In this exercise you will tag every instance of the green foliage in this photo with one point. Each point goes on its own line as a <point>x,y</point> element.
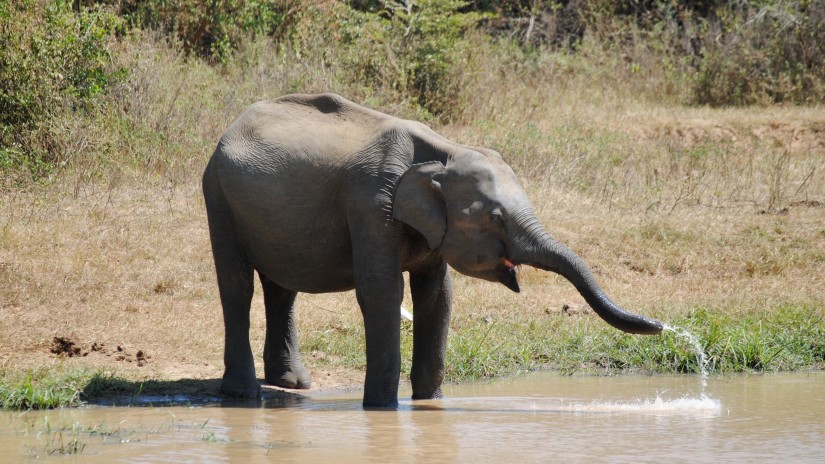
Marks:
<point>414,48</point>
<point>52,59</point>
<point>431,47</point>
<point>771,54</point>
<point>213,28</point>
<point>722,53</point>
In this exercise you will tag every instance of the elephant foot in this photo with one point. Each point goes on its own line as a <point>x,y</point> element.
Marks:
<point>428,395</point>
<point>240,389</point>
<point>296,379</point>
<point>386,402</point>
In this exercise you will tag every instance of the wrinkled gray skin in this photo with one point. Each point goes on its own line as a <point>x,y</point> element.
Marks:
<point>318,194</point>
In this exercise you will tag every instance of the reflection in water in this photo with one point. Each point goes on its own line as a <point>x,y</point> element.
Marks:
<point>535,418</point>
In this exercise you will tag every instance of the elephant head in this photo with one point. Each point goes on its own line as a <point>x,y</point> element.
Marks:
<point>476,214</point>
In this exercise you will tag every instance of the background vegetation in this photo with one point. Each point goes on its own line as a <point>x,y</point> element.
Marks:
<point>678,146</point>
<point>68,62</point>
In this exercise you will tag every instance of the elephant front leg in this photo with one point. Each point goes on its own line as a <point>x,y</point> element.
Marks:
<point>379,296</point>
<point>282,360</point>
<point>431,294</point>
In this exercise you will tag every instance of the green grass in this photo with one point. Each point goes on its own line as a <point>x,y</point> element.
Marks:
<point>64,439</point>
<point>56,387</point>
<point>786,338</point>
<point>42,434</point>
<point>42,388</point>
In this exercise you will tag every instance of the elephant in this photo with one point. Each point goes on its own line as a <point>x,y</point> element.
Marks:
<point>318,194</point>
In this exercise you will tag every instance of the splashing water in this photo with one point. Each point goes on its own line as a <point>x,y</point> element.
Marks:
<point>702,406</point>
<point>701,357</point>
<point>699,407</point>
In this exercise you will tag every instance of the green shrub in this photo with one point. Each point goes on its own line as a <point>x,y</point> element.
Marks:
<point>52,59</point>
<point>771,54</point>
<point>722,53</point>
<point>415,48</point>
<point>210,28</point>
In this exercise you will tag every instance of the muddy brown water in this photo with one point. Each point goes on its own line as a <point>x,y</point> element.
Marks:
<point>533,418</point>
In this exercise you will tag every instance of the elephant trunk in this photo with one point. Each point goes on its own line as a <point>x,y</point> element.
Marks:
<point>540,250</point>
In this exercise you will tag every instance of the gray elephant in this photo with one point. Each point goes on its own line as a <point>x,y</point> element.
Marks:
<point>318,194</point>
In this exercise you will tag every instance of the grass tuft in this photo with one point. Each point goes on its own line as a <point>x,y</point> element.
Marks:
<point>42,389</point>
<point>56,387</point>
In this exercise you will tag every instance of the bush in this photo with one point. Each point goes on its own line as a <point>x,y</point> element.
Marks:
<point>415,48</point>
<point>209,28</point>
<point>773,54</point>
<point>722,53</point>
<point>52,59</point>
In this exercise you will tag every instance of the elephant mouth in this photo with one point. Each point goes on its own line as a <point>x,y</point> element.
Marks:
<point>506,272</point>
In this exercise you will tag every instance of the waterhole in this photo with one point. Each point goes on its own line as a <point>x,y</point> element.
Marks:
<point>532,418</point>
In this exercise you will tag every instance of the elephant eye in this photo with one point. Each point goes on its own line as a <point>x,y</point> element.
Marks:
<point>497,216</point>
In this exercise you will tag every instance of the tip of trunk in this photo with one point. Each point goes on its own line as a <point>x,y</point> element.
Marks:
<point>621,319</point>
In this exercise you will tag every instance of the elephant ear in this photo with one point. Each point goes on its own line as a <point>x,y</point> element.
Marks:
<point>419,201</point>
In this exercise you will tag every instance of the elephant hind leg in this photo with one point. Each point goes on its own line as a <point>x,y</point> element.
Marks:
<point>282,360</point>
<point>235,285</point>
